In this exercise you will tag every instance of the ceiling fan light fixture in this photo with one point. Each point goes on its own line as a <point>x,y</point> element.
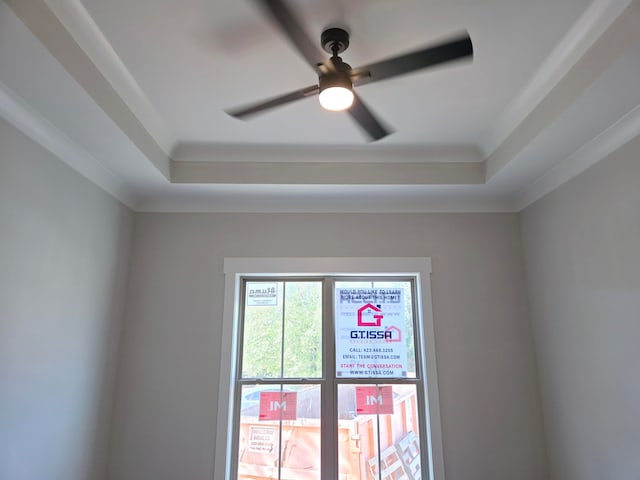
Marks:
<point>336,99</point>
<point>335,92</point>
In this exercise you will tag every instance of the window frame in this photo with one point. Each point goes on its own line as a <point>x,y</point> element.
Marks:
<point>289,268</point>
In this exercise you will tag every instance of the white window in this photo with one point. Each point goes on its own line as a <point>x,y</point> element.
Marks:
<point>324,371</point>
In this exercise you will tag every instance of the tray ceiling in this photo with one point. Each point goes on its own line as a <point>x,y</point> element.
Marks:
<point>132,94</point>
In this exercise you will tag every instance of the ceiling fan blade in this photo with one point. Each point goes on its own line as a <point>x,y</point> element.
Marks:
<point>410,62</point>
<point>365,118</point>
<point>249,110</point>
<point>292,28</point>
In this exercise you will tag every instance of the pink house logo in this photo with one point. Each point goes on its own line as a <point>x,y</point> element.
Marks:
<point>369,316</point>
<point>394,337</point>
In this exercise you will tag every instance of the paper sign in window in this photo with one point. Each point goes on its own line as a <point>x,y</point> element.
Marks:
<point>371,336</point>
<point>278,405</point>
<point>262,294</point>
<point>372,400</point>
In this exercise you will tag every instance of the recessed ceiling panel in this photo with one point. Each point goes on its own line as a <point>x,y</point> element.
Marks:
<point>194,58</point>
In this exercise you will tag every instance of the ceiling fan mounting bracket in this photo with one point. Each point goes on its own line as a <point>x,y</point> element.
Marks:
<point>334,40</point>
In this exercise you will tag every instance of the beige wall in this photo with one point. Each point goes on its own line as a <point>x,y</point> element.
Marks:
<point>165,419</point>
<point>63,265</point>
<point>582,249</point>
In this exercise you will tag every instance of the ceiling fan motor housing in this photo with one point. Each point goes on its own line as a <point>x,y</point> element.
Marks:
<point>339,77</point>
<point>335,79</point>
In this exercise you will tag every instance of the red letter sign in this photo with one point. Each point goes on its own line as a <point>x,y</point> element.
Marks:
<point>372,400</point>
<point>278,405</point>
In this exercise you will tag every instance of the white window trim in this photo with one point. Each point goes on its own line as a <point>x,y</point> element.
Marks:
<point>235,268</point>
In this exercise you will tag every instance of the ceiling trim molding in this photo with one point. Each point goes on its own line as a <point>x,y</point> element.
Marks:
<point>78,22</point>
<point>41,131</point>
<point>620,35</point>
<point>44,24</point>
<point>207,152</point>
<point>327,173</point>
<point>584,33</point>
<point>600,147</point>
<point>267,204</point>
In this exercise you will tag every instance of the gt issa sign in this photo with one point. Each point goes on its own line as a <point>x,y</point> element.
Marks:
<point>370,333</point>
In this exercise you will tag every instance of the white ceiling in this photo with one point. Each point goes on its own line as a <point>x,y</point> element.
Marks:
<point>132,94</point>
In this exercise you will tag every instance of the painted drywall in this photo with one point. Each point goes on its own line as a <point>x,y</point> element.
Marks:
<point>166,406</point>
<point>63,266</point>
<point>582,250</point>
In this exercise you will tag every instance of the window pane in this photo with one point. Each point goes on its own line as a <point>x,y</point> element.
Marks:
<point>374,330</point>
<point>378,432</point>
<point>262,346</point>
<point>279,432</point>
<point>303,330</point>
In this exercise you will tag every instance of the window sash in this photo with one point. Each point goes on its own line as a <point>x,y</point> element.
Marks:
<point>328,382</point>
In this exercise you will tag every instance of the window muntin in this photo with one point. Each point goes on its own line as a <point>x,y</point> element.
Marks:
<point>284,341</point>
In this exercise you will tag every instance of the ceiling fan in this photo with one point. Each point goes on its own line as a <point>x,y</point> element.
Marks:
<point>337,78</point>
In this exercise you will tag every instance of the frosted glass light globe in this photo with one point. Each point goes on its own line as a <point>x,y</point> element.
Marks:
<point>336,98</point>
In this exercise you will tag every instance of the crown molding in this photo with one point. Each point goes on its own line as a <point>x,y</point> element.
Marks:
<point>585,32</point>
<point>337,199</point>
<point>40,130</point>
<point>45,25</point>
<point>618,38</point>
<point>600,147</point>
<point>212,152</point>
<point>78,22</point>
<point>327,173</point>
